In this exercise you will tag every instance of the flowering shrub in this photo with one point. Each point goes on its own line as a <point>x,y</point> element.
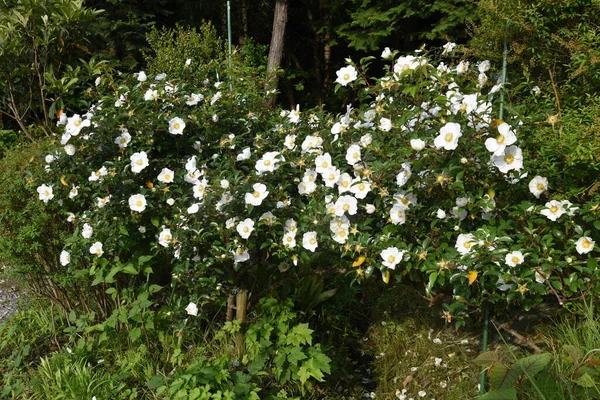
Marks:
<point>204,188</point>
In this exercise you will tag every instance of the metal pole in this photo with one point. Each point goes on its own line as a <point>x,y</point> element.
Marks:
<point>503,81</point>
<point>229,30</point>
<point>486,322</point>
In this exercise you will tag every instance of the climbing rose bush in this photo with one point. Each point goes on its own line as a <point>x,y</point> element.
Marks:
<point>417,180</point>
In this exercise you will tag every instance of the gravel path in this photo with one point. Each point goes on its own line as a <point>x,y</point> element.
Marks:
<point>8,300</point>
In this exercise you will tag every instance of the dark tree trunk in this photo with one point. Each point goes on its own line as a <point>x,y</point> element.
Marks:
<point>243,7</point>
<point>276,48</point>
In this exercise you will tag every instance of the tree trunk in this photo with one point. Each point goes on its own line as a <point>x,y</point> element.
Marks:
<point>276,48</point>
<point>243,6</point>
<point>326,57</point>
<point>241,305</point>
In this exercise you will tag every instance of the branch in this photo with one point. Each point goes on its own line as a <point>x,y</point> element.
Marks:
<point>522,340</point>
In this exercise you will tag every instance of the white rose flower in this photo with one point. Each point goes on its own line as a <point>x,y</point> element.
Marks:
<point>96,249</point>
<point>45,193</point>
<point>192,309</point>
<point>245,228</point>
<point>309,241</point>
<point>176,126</point>
<point>137,202</point>
<point>514,258</point>
<point>166,175</point>
<point>584,245</point>
<point>65,258</point>
<point>346,75</point>
<point>139,161</point>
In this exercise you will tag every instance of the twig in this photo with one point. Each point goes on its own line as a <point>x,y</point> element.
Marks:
<point>522,340</point>
<point>555,89</point>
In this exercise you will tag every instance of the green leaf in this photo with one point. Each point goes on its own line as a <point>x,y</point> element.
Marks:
<point>572,353</point>
<point>585,381</point>
<point>296,354</point>
<point>135,334</point>
<point>486,359</point>
<point>300,334</point>
<point>531,365</point>
<point>504,394</point>
<point>130,269</point>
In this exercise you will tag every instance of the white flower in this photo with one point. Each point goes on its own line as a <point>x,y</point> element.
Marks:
<point>294,115</point>
<point>406,63</point>
<point>87,231</point>
<point>540,277</point>
<point>97,175</point>
<point>462,67</point>
<point>309,241</point>
<point>289,239</point>
<point>257,196</point>
<point>176,126</point>
<point>102,201</point>
<point>170,201</point>
<point>165,237</point>
<point>137,202</point>
<point>290,226</point>
<point>151,95</point>
<point>441,214</point>
<point>584,245</point>
<point>538,185</point>
<point>340,234</point>
<point>346,75</point>
<point>323,163</point>
<point>245,228</point>
<point>141,76</point>
<point>70,149</point>
<point>268,217</point>
<point>139,161</point>
<point>484,66</point>
<point>199,189</point>
<point>386,54</point>
<point>397,214</point>
<point>360,189</point>
<point>224,183</point>
<point>403,175</point>
<point>505,138</point>
<point>353,154</point>
<point>75,124</point>
<point>73,192</point>
<point>311,144</point>
<point>554,209</point>
<point>344,183</point>
<point>268,162</point>
<point>366,140</point>
<point>370,208</point>
<point>65,258</point>
<point>194,208</point>
<point>290,142</point>
<point>45,193</point>
<point>166,175</point>
<point>514,258</point>
<point>464,243</point>
<point>511,159</point>
<point>331,176</point>
<point>193,99</point>
<point>448,137</point>
<point>417,144</point>
<point>96,249</point>
<point>345,204</point>
<point>244,155</point>
<point>192,309</point>
<point>391,257</point>
<point>536,90</point>
<point>240,255</point>
<point>306,187</point>
<point>482,79</point>
<point>123,139</point>
<point>160,77</point>
<point>448,47</point>
<point>49,158</point>
<point>385,124</point>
